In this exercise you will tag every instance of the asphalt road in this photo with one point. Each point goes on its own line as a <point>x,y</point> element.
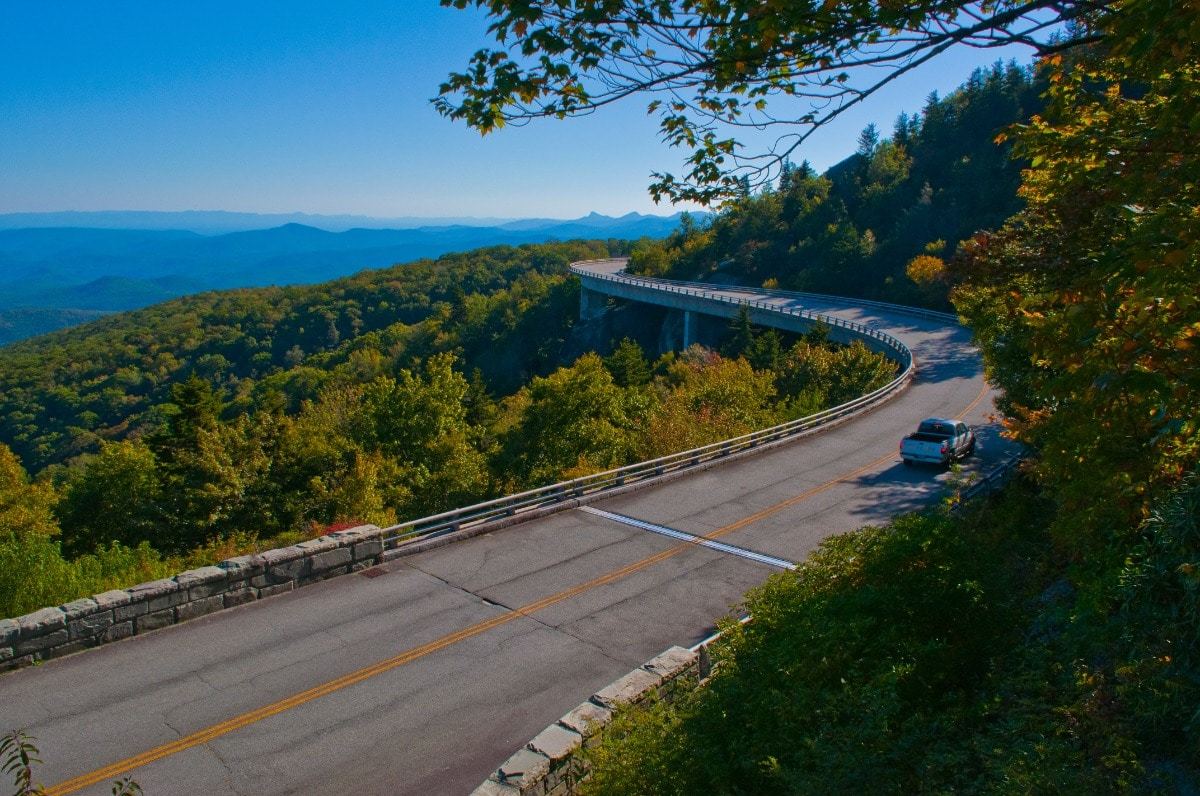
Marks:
<point>423,679</point>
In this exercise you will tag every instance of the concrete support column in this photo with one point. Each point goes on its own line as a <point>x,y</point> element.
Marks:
<point>689,328</point>
<point>591,304</point>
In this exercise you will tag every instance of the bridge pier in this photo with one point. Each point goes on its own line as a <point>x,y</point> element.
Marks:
<point>591,304</point>
<point>689,328</point>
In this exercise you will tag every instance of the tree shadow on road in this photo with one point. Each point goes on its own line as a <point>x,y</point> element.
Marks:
<point>901,489</point>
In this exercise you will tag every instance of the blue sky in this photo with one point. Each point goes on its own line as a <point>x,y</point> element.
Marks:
<point>315,107</point>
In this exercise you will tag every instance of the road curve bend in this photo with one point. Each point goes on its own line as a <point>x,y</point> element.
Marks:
<point>421,675</point>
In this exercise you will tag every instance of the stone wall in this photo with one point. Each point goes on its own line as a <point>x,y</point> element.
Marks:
<point>552,764</point>
<point>113,615</point>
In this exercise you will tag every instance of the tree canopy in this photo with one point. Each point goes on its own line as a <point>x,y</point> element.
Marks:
<point>938,179</point>
<point>718,69</point>
<point>1085,302</point>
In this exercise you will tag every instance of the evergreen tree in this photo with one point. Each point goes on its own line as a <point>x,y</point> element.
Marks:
<point>766,352</point>
<point>868,139</point>
<point>818,335</point>
<point>627,364</point>
<point>741,335</point>
<point>195,407</point>
<point>478,400</point>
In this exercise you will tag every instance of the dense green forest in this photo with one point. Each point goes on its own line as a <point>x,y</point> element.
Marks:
<point>22,323</point>
<point>938,179</point>
<point>1046,640</point>
<point>227,422</point>
<point>63,393</point>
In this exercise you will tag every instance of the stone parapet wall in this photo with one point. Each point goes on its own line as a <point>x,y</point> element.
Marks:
<point>553,764</point>
<point>118,614</point>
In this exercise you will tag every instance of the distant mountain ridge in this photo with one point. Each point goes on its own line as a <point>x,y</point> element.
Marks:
<point>73,273</point>
<point>217,222</point>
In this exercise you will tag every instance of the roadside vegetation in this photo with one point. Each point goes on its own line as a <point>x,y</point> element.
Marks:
<point>19,760</point>
<point>944,653</point>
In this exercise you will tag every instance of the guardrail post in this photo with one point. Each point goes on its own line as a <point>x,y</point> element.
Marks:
<point>704,661</point>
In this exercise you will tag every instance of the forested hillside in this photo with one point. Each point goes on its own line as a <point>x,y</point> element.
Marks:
<point>51,273</point>
<point>63,393</point>
<point>937,179</point>
<point>20,324</point>
<point>228,422</point>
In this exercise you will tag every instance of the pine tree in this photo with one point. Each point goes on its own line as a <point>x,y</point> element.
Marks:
<point>741,335</point>
<point>868,139</point>
<point>766,351</point>
<point>627,364</point>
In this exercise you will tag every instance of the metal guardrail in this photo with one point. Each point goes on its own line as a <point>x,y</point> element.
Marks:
<point>992,479</point>
<point>903,309</point>
<point>705,291</point>
<point>512,505</point>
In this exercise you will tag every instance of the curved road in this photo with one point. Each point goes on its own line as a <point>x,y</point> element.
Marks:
<point>423,679</point>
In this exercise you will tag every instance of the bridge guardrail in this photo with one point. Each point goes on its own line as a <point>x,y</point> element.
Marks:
<point>904,309</point>
<point>448,522</point>
<point>703,290</point>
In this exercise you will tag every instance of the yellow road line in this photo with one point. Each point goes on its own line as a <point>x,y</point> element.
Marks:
<point>982,394</point>
<point>245,719</point>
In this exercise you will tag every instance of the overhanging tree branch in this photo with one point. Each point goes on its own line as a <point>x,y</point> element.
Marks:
<point>719,64</point>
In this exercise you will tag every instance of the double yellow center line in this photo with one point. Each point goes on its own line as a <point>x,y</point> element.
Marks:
<point>215,731</point>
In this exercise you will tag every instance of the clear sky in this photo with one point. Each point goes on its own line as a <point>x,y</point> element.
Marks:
<point>315,106</point>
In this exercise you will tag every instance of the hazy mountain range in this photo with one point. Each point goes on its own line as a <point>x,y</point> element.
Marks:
<point>55,276</point>
<point>216,222</point>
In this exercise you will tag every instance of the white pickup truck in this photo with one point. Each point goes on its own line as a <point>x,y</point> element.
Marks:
<point>938,441</point>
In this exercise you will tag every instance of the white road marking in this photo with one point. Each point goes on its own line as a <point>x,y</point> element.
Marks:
<point>711,544</point>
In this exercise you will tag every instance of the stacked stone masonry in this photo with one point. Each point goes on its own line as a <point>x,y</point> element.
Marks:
<point>552,764</point>
<point>113,615</point>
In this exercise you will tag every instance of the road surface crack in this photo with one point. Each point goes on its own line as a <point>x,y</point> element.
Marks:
<point>527,615</point>
<point>230,780</point>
